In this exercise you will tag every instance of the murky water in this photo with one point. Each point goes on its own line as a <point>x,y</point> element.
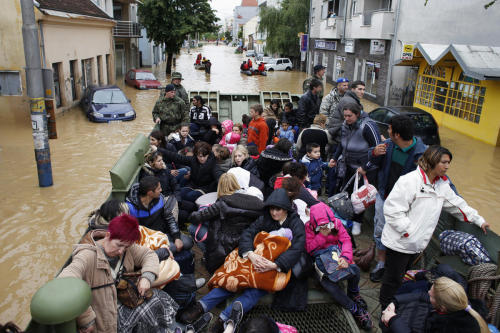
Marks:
<point>38,225</point>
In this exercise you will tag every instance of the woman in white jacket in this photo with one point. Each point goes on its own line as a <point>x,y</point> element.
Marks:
<point>412,211</point>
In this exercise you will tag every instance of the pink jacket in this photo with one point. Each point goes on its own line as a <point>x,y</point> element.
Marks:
<point>321,214</point>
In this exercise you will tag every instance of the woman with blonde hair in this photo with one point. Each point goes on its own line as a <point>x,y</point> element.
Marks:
<point>242,159</point>
<point>225,219</point>
<point>445,308</point>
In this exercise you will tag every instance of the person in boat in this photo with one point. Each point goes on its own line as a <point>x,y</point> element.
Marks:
<point>250,64</point>
<point>169,111</point>
<point>101,257</point>
<point>199,115</point>
<point>262,68</point>
<point>208,66</point>
<point>394,157</point>
<point>244,66</point>
<point>224,220</point>
<point>198,59</point>
<point>445,308</point>
<point>204,171</point>
<point>151,208</point>
<point>180,91</point>
<point>241,159</point>
<point>279,214</point>
<point>412,211</point>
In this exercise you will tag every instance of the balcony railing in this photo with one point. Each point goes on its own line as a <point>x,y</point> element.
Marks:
<point>127,29</point>
<point>367,15</point>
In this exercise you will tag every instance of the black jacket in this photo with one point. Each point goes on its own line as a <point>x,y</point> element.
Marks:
<point>227,217</point>
<point>290,117</point>
<point>203,176</point>
<point>265,223</point>
<point>415,314</point>
<point>210,136</point>
<point>308,108</point>
<point>249,164</point>
<point>271,162</point>
<point>156,216</point>
<point>168,183</point>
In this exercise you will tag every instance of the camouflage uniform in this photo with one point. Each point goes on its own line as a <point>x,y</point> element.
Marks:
<point>172,112</point>
<point>180,91</point>
<point>329,107</point>
<point>307,82</point>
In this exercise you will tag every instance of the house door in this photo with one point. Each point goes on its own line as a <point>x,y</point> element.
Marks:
<point>120,61</point>
<point>372,70</point>
<point>72,78</point>
<point>57,84</point>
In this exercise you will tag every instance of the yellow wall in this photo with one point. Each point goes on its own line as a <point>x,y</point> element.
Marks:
<point>13,109</point>
<point>488,129</point>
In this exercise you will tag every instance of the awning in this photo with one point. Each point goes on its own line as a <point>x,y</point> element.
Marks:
<point>478,62</point>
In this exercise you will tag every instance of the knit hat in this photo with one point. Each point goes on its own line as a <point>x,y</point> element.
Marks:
<point>169,87</point>
<point>177,75</point>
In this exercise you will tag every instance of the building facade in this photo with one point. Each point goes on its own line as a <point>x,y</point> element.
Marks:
<point>242,14</point>
<point>126,34</point>
<point>352,38</point>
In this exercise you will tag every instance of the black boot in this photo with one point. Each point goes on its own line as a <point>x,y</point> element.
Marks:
<point>217,326</point>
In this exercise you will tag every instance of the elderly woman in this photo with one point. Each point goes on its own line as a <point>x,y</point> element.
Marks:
<point>233,211</point>
<point>100,260</point>
<point>412,212</point>
<point>279,214</point>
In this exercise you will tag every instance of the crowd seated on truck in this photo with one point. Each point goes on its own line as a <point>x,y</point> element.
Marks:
<point>273,204</point>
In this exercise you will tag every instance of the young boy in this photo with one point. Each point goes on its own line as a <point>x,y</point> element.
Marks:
<point>315,166</point>
<point>258,132</point>
<point>285,131</point>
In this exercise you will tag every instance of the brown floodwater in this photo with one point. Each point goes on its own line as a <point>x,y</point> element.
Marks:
<point>39,225</point>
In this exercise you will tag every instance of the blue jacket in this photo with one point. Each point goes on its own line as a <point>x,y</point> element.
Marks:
<point>314,170</point>
<point>288,134</point>
<point>384,162</point>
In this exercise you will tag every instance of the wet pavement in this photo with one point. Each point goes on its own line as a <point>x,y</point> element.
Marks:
<point>39,225</point>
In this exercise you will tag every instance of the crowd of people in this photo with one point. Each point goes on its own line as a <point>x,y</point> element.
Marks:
<point>251,196</point>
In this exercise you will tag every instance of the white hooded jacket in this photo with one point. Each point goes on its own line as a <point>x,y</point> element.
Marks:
<point>412,211</point>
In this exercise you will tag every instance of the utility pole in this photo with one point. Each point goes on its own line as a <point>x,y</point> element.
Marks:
<point>35,90</point>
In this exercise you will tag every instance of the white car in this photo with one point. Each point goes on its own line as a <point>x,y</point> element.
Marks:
<point>250,53</point>
<point>279,64</point>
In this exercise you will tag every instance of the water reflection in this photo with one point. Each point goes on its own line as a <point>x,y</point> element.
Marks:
<point>39,225</point>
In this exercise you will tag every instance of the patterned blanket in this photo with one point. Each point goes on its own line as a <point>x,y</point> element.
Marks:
<point>169,269</point>
<point>238,273</point>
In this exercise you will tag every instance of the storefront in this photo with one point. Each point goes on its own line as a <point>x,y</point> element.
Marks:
<point>460,88</point>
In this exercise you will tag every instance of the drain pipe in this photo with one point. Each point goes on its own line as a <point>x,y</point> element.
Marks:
<point>391,55</point>
<point>346,2</point>
<point>308,54</point>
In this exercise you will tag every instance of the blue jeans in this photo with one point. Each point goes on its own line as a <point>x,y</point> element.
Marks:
<point>202,232</point>
<point>248,299</point>
<point>180,177</point>
<point>378,222</point>
<point>189,194</point>
<point>338,293</point>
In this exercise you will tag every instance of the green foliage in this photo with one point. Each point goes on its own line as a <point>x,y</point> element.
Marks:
<point>283,26</point>
<point>228,36</point>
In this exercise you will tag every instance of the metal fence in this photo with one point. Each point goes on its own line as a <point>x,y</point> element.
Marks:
<point>127,29</point>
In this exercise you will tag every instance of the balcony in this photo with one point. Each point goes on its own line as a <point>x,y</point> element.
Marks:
<point>372,24</point>
<point>127,29</point>
<point>330,28</point>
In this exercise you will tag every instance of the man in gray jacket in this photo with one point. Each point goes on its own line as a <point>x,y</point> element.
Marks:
<point>330,101</point>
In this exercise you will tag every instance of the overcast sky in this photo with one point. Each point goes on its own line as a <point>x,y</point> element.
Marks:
<point>224,8</point>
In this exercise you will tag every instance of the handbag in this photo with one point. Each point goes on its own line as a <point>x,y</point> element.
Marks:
<point>341,204</point>
<point>364,196</point>
<point>326,261</point>
<point>127,292</point>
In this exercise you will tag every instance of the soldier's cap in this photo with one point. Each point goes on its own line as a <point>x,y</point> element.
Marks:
<point>169,87</point>
<point>177,75</point>
<point>342,79</point>
<point>317,68</point>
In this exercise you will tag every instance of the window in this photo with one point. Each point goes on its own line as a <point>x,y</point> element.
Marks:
<point>372,70</point>
<point>378,115</point>
<point>10,83</point>
<point>72,78</point>
<point>56,68</point>
<point>279,62</point>
<point>99,70</point>
<point>108,70</point>
<point>313,15</point>
<point>462,99</point>
<point>354,8</point>
<point>109,96</point>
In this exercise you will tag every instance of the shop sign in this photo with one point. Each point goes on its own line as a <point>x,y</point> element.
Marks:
<point>349,46</point>
<point>407,52</point>
<point>325,45</point>
<point>377,46</point>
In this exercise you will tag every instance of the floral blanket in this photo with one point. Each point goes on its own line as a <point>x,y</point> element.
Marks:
<point>238,273</point>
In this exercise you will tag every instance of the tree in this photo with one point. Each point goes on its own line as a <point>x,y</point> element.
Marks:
<point>283,26</point>
<point>227,35</point>
<point>169,22</point>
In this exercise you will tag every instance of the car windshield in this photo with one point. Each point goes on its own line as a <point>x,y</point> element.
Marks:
<point>144,76</point>
<point>422,121</point>
<point>109,96</point>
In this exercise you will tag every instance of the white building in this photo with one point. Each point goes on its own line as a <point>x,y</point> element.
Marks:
<point>242,14</point>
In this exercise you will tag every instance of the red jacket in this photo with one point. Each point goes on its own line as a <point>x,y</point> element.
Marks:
<point>258,133</point>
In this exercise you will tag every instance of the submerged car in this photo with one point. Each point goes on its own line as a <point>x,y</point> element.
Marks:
<point>141,79</point>
<point>105,104</point>
<point>425,126</point>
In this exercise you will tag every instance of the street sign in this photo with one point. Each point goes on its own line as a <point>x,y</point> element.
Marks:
<point>407,52</point>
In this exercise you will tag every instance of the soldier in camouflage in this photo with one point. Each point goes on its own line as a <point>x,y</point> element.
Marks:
<point>170,111</point>
<point>179,89</point>
<point>319,71</point>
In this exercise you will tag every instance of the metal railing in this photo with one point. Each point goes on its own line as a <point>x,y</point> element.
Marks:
<point>127,29</point>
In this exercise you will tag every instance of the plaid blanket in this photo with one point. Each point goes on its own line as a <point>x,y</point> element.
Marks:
<point>152,316</point>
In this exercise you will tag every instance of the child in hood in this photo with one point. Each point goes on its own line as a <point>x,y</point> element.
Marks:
<point>286,131</point>
<point>323,231</point>
<point>181,138</point>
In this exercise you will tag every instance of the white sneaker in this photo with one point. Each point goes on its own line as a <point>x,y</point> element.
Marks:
<point>356,228</point>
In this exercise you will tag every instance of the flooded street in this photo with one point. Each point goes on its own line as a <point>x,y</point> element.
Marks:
<point>39,225</point>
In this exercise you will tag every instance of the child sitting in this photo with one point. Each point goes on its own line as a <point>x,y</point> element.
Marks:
<point>231,138</point>
<point>285,131</point>
<point>315,166</point>
<point>181,138</point>
<point>325,231</point>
